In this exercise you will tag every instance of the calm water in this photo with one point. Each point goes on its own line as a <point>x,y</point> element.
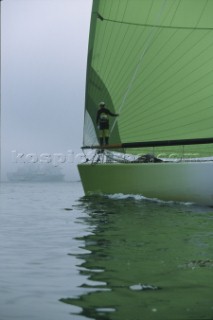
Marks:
<point>65,256</point>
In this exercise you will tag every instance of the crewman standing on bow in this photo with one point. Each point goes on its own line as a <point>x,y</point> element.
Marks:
<point>102,121</point>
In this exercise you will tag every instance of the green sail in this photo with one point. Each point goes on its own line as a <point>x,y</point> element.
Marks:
<point>151,61</point>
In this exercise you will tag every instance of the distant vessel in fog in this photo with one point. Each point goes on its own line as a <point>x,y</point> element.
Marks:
<point>31,172</point>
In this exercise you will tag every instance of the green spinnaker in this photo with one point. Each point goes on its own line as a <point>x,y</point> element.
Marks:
<point>151,61</point>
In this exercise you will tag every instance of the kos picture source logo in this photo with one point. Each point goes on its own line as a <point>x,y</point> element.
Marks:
<point>55,159</point>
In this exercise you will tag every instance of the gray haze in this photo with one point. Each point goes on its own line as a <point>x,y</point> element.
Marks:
<point>44,51</point>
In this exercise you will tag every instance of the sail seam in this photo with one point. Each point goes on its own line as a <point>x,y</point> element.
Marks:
<point>178,71</point>
<point>120,85</point>
<point>145,48</point>
<point>156,26</point>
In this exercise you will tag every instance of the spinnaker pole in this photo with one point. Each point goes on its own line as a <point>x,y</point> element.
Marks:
<point>145,144</point>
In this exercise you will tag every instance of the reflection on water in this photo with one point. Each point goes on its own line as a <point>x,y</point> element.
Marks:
<point>145,260</point>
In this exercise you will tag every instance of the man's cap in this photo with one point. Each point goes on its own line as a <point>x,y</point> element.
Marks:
<point>102,103</point>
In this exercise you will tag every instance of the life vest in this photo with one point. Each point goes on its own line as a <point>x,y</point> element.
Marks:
<point>103,117</point>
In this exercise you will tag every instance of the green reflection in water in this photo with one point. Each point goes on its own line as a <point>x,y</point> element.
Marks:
<point>146,261</point>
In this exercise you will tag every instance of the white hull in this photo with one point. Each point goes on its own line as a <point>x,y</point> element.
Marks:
<point>187,182</point>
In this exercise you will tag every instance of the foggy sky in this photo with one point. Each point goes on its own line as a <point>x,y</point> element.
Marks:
<point>44,51</point>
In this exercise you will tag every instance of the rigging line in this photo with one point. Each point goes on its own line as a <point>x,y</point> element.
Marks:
<point>149,40</point>
<point>132,47</point>
<point>122,63</point>
<point>175,31</point>
<point>121,84</point>
<point>115,55</point>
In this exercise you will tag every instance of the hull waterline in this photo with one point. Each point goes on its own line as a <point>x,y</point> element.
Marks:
<point>185,182</point>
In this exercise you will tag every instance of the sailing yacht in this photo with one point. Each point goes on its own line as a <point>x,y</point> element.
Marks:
<point>152,63</point>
